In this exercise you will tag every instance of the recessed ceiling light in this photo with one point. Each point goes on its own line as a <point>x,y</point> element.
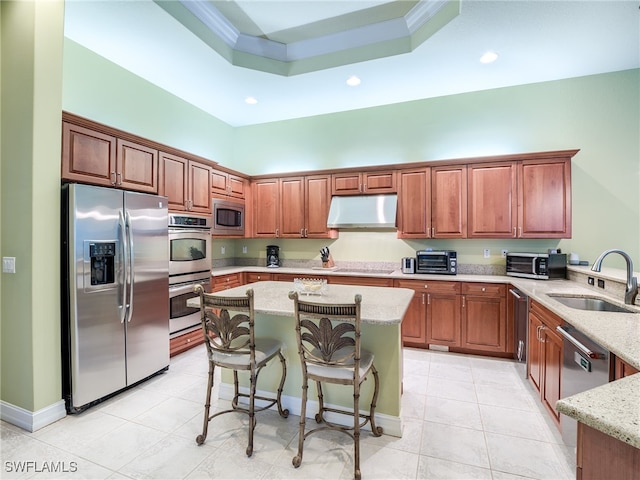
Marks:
<point>489,57</point>
<point>353,81</point>
<point>250,100</point>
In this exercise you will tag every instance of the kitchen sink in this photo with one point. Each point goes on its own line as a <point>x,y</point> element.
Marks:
<point>589,303</point>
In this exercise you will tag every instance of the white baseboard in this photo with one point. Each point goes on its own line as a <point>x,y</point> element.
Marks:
<point>32,421</point>
<point>390,425</point>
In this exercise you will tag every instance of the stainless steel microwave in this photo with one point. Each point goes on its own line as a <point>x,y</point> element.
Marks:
<point>437,261</point>
<point>228,217</point>
<point>542,266</point>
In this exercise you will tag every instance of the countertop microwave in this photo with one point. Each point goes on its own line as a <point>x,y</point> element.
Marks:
<point>542,266</point>
<point>227,218</point>
<point>444,262</point>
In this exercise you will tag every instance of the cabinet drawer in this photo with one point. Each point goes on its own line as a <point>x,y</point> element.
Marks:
<point>429,286</point>
<point>252,277</point>
<point>491,289</point>
<point>226,281</point>
<point>370,281</point>
<point>185,342</point>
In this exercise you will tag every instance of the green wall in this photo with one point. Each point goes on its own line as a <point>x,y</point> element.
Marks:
<point>598,114</point>
<point>31,102</point>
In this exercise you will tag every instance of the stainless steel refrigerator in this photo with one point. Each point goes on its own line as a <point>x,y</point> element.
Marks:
<point>115,295</point>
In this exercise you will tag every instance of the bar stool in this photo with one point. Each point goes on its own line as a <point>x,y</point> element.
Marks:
<point>328,337</point>
<point>231,343</point>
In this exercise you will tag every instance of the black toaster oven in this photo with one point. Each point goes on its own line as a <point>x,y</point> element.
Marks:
<point>437,261</point>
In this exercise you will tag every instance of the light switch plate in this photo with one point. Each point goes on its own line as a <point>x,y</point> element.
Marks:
<point>487,253</point>
<point>8,264</point>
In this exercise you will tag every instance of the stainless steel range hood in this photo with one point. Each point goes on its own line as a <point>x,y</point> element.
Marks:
<point>363,211</point>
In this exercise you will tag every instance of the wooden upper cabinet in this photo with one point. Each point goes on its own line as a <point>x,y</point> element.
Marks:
<point>317,200</point>
<point>449,202</point>
<point>186,184</point>
<point>292,207</point>
<point>544,199</point>
<point>90,156</point>
<point>520,199</point>
<point>227,185</point>
<point>364,183</point>
<point>414,203</point>
<point>266,207</point>
<point>492,199</point>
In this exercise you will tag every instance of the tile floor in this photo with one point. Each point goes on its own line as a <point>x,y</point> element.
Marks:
<point>465,417</point>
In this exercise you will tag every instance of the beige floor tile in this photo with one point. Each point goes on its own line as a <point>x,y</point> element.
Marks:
<point>456,444</point>
<point>453,412</point>
<point>437,468</point>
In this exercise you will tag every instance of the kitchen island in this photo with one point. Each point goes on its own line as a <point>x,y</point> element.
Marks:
<point>382,312</point>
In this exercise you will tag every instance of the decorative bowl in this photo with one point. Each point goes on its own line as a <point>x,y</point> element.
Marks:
<point>310,286</point>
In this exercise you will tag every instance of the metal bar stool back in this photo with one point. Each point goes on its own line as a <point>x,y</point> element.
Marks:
<point>228,329</point>
<point>328,338</point>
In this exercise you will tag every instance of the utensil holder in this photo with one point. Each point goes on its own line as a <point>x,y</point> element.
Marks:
<point>329,263</point>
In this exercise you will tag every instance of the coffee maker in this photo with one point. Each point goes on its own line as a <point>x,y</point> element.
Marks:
<point>273,256</point>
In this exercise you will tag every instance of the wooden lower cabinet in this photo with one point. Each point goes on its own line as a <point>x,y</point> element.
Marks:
<point>545,356</point>
<point>621,368</point>
<point>369,281</point>
<point>252,277</point>
<point>224,282</point>
<point>185,342</point>
<point>601,456</point>
<point>484,317</point>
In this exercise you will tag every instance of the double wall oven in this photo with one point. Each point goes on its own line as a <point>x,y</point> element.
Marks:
<point>189,265</point>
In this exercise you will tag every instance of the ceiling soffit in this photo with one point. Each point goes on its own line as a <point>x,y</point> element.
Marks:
<point>384,30</point>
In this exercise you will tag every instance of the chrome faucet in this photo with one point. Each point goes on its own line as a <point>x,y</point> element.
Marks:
<point>632,282</point>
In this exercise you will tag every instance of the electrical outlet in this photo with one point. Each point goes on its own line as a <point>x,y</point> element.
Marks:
<point>504,253</point>
<point>487,253</point>
<point>590,280</point>
<point>8,264</point>
<point>222,250</point>
<point>600,283</point>
<point>244,249</point>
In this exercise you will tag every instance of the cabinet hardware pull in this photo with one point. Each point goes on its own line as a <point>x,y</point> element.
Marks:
<point>514,232</point>
<point>306,232</point>
<point>433,232</point>
<point>119,178</point>
<point>113,178</point>
<point>428,299</point>
<point>423,298</point>
<point>277,232</point>
<point>484,289</point>
<point>463,304</point>
<point>302,232</point>
<point>520,230</point>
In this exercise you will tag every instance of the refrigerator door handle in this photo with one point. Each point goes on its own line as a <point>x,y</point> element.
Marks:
<point>129,267</point>
<point>122,293</point>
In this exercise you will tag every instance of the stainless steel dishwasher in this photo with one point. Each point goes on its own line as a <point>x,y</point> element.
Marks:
<point>520,311</point>
<point>585,366</point>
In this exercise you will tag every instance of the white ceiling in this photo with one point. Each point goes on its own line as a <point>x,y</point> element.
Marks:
<point>536,41</point>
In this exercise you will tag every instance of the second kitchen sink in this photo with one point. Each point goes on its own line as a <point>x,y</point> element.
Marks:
<point>589,303</point>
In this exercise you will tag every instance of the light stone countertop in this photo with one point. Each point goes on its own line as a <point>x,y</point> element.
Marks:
<point>613,408</point>
<point>380,305</point>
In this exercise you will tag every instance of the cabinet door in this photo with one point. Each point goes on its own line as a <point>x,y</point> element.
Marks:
<point>544,201</point>
<point>552,373</point>
<point>317,200</point>
<point>414,324</point>
<point>225,282</point>
<point>484,322</point>
<point>88,156</point>
<point>266,208</point>
<point>379,182</point>
<point>534,355</point>
<point>346,184</point>
<point>237,186</point>
<point>219,182</point>
<point>174,175</point>
<point>492,197</point>
<point>291,218</point>
<point>621,368</point>
<point>199,187</point>
<point>449,202</point>
<point>414,204</point>
<point>137,167</point>
<point>443,319</point>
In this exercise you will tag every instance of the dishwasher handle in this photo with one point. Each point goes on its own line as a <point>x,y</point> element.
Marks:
<point>589,353</point>
<point>515,293</point>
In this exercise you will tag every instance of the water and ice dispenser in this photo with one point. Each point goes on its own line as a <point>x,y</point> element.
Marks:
<point>102,256</point>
